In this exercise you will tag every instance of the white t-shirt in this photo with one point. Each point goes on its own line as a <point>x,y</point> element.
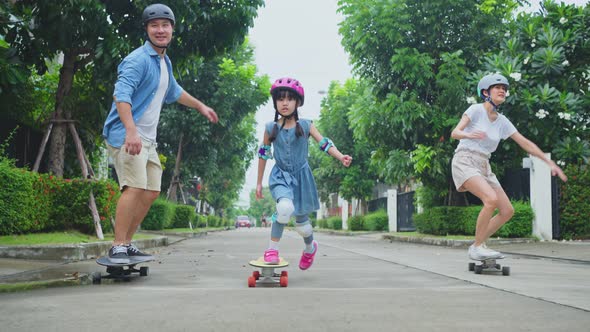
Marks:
<point>147,125</point>
<point>501,128</point>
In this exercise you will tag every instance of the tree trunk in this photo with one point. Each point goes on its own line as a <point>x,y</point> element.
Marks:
<point>174,184</point>
<point>58,139</point>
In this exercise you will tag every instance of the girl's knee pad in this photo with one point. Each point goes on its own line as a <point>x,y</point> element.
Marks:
<point>304,229</point>
<point>285,209</point>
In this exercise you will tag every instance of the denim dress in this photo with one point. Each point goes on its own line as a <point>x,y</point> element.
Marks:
<point>291,175</point>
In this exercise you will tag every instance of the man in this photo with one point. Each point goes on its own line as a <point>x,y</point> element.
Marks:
<point>144,83</point>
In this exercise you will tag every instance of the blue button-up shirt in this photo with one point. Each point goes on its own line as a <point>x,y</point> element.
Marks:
<point>137,82</point>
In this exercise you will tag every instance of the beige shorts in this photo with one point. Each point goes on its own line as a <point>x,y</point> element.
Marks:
<point>142,171</point>
<point>467,164</point>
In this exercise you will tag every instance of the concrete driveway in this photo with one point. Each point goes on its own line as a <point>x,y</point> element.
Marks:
<point>359,283</point>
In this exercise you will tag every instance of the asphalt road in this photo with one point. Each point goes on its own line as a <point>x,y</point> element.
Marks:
<point>359,283</point>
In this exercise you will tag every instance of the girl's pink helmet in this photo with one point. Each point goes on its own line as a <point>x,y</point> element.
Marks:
<point>289,84</point>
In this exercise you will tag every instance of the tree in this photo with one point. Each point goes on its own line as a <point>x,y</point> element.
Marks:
<point>219,154</point>
<point>265,206</point>
<point>415,57</point>
<point>356,181</point>
<point>93,35</point>
<point>546,57</point>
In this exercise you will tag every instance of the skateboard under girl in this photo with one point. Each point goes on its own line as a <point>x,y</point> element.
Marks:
<point>267,275</point>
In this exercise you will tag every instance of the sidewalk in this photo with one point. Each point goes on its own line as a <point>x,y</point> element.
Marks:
<point>33,273</point>
<point>565,250</point>
<point>59,265</point>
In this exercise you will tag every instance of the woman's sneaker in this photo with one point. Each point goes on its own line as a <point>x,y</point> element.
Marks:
<point>133,251</point>
<point>271,256</point>
<point>307,258</point>
<point>118,255</point>
<point>491,252</point>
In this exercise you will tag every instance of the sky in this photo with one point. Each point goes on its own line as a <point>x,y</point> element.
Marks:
<point>299,38</point>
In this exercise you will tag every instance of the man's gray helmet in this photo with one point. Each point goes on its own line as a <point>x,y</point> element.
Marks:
<point>155,11</point>
<point>489,80</point>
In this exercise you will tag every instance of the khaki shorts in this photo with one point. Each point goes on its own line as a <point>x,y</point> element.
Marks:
<point>467,164</point>
<point>142,171</point>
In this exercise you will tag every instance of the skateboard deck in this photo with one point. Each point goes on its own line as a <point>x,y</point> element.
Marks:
<point>267,275</point>
<point>120,271</point>
<point>489,265</point>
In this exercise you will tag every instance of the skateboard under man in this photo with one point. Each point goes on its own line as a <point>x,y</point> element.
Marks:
<point>267,275</point>
<point>489,265</point>
<point>120,271</point>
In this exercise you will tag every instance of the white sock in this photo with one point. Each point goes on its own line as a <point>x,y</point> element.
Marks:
<point>309,248</point>
<point>273,245</point>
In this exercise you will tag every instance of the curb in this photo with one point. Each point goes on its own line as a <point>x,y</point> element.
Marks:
<point>81,280</point>
<point>72,252</point>
<point>450,242</point>
<point>178,234</point>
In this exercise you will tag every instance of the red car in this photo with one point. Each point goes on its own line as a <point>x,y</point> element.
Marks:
<point>243,221</point>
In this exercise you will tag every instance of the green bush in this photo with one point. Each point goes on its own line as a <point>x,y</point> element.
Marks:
<point>200,221</point>
<point>447,220</point>
<point>214,221</point>
<point>355,223</point>
<point>183,216</point>
<point>574,203</point>
<point>335,223</point>
<point>521,224</point>
<point>22,208</point>
<point>33,202</point>
<point>159,216</point>
<point>322,223</point>
<point>376,221</point>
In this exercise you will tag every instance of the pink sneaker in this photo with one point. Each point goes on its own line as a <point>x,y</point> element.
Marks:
<point>271,256</point>
<point>307,259</point>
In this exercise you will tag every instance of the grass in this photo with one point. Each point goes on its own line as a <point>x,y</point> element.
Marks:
<point>68,237</point>
<point>25,286</point>
<point>188,230</point>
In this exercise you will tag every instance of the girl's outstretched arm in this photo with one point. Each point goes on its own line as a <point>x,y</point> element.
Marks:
<point>534,150</point>
<point>332,150</point>
<point>263,155</point>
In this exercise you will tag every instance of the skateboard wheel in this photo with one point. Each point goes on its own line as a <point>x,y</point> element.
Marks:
<point>506,271</point>
<point>96,278</point>
<point>498,266</point>
<point>251,281</point>
<point>284,274</point>
<point>478,269</point>
<point>256,275</point>
<point>143,271</point>
<point>471,266</point>
<point>284,281</point>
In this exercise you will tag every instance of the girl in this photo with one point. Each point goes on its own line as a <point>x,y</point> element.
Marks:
<point>479,131</point>
<point>291,182</point>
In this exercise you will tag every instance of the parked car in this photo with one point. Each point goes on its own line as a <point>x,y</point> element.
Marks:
<point>243,221</point>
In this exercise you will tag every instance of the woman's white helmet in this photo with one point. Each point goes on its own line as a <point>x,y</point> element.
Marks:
<point>489,80</point>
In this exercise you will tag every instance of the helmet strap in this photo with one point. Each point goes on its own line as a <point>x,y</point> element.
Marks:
<point>488,98</point>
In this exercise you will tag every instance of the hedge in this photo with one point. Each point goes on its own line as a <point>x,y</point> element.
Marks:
<point>453,220</point>
<point>159,216</point>
<point>32,202</point>
<point>376,221</point>
<point>574,203</point>
<point>183,216</point>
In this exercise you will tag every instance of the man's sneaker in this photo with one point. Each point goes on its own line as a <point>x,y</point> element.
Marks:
<point>307,259</point>
<point>271,256</point>
<point>118,255</point>
<point>133,252</point>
